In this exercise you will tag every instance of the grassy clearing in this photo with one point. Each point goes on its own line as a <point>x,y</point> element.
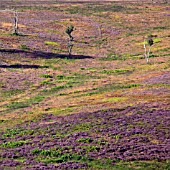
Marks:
<point>9,93</point>
<point>113,71</point>
<point>18,105</point>
<point>91,9</point>
<point>110,87</point>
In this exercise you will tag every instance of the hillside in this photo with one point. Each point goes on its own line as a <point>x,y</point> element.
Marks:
<point>104,106</point>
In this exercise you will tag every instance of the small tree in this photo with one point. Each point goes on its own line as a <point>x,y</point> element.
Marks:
<point>15,24</point>
<point>15,20</point>
<point>69,31</point>
<point>149,41</point>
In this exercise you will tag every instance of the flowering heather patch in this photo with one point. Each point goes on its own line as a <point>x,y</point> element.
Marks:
<point>164,79</point>
<point>88,140</point>
<point>102,107</point>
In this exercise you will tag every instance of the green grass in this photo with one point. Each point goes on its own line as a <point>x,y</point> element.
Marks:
<point>63,111</point>
<point>51,153</point>
<point>53,156</point>
<point>145,165</point>
<point>160,28</point>
<point>115,99</point>
<point>51,43</point>
<point>24,47</point>
<point>13,144</point>
<point>111,57</point>
<point>109,87</point>
<point>85,140</point>
<point>70,81</point>
<point>61,77</point>
<point>9,93</point>
<point>57,88</point>
<point>157,40</point>
<point>24,104</point>
<point>75,79</point>
<point>92,9</point>
<point>46,76</point>
<point>100,42</point>
<point>164,49</point>
<point>113,71</point>
<point>90,148</point>
<point>17,105</point>
<point>47,81</point>
<point>80,127</point>
<point>10,132</point>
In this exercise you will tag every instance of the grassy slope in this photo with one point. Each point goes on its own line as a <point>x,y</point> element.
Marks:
<point>107,72</point>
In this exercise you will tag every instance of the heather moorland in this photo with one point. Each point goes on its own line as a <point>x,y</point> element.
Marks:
<point>89,98</point>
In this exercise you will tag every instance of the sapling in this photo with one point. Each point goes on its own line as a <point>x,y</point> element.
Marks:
<point>15,24</point>
<point>69,31</point>
<point>149,41</point>
<point>15,20</point>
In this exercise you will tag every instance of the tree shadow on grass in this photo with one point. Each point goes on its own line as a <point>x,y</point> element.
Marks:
<point>22,66</point>
<point>46,55</point>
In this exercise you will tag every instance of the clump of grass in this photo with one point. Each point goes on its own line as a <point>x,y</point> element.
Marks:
<point>90,148</point>
<point>65,110</point>
<point>47,81</point>
<point>56,88</point>
<point>17,105</point>
<point>60,77</point>
<point>159,28</point>
<point>157,40</point>
<point>91,9</point>
<point>113,71</point>
<point>35,99</point>
<point>51,153</point>
<point>51,43</point>
<point>110,87</point>
<point>100,42</point>
<point>111,57</point>
<point>165,49</point>
<point>13,144</point>
<point>46,76</point>
<point>24,47</point>
<point>24,104</point>
<point>115,99</point>
<point>85,140</point>
<point>11,132</point>
<point>9,93</point>
<point>53,156</point>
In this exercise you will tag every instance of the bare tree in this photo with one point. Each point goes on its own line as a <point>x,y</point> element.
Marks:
<point>149,42</point>
<point>15,24</point>
<point>15,20</point>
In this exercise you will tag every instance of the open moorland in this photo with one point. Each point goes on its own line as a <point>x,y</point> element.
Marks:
<point>103,107</point>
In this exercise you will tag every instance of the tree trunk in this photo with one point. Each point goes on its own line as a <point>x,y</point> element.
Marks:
<point>70,46</point>
<point>15,26</point>
<point>145,54</point>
